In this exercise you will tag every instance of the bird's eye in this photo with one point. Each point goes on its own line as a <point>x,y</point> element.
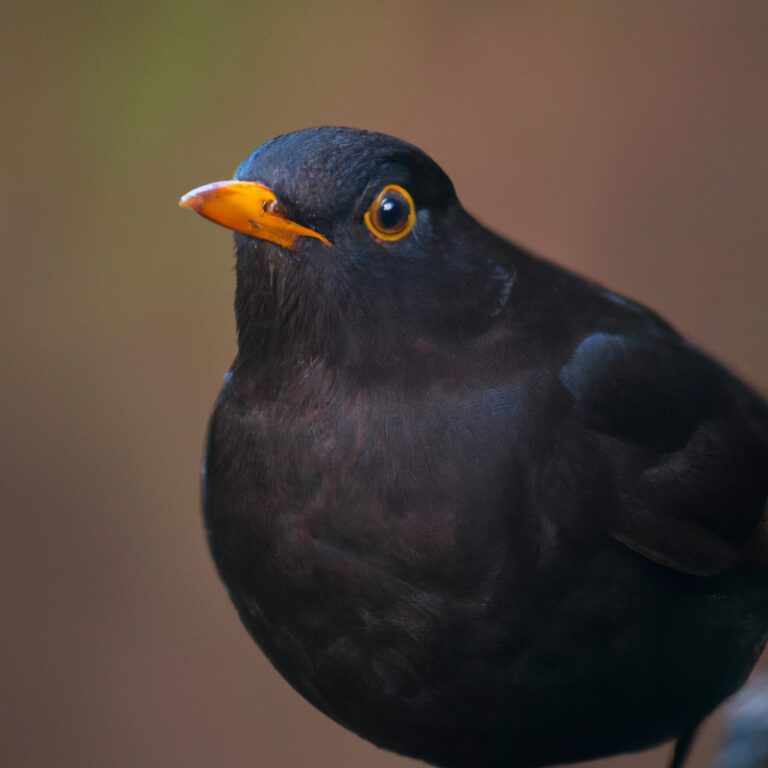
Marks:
<point>391,215</point>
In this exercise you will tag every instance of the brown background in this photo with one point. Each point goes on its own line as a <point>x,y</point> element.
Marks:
<point>626,140</point>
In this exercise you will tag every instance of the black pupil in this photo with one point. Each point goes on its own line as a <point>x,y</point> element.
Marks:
<point>393,212</point>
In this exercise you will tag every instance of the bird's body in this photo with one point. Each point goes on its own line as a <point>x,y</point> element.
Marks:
<point>475,508</point>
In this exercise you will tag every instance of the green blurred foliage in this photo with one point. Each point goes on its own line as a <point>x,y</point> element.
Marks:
<point>151,66</point>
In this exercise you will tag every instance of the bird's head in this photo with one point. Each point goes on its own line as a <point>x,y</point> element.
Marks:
<point>341,230</point>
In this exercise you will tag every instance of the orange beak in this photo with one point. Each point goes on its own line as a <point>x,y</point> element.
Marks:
<point>247,207</point>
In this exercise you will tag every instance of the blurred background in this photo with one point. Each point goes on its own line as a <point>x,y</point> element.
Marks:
<point>624,140</point>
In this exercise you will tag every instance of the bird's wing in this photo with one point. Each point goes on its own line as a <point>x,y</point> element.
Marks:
<point>687,446</point>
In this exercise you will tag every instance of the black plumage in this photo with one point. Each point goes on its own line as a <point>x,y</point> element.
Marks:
<point>474,507</point>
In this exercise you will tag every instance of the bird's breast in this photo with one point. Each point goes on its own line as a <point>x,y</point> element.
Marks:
<point>369,534</point>
<point>362,491</point>
<point>413,481</point>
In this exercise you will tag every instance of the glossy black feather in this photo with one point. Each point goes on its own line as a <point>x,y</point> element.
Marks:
<point>475,508</point>
<point>688,452</point>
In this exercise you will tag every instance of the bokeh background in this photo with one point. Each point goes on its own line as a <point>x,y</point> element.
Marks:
<point>626,140</point>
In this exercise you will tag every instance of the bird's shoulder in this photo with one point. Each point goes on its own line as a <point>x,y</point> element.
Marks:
<point>687,443</point>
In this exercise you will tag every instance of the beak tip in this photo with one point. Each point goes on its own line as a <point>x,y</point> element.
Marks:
<point>190,201</point>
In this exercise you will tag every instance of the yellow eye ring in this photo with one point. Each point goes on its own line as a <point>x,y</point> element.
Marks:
<point>391,215</point>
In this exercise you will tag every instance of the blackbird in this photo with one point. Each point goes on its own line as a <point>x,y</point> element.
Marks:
<point>476,508</point>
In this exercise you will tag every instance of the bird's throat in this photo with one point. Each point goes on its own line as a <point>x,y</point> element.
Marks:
<point>283,311</point>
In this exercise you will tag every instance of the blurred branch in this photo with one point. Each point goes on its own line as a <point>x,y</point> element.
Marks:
<point>746,743</point>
